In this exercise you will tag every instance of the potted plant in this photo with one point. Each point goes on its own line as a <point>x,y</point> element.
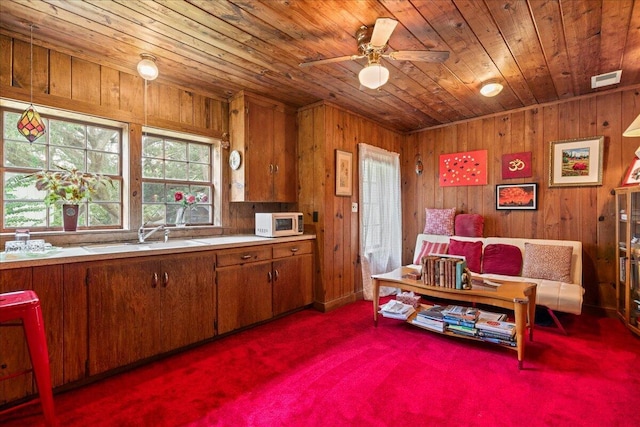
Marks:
<point>69,187</point>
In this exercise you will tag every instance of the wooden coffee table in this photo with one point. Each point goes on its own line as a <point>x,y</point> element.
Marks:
<point>517,296</point>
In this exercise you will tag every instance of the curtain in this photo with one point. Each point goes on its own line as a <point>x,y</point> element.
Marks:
<point>380,215</point>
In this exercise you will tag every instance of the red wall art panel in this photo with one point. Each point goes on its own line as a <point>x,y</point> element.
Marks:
<point>468,168</point>
<point>516,165</point>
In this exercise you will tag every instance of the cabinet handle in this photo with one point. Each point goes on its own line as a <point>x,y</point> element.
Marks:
<point>277,168</point>
<point>154,281</point>
<point>271,168</point>
<point>294,250</point>
<point>245,257</point>
<point>269,276</point>
<point>165,280</point>
<point>277,274</point>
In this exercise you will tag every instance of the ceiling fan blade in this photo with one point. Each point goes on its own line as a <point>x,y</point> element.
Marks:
<point>330,60</point>
<point>382,31</point>
<point>418,55</point>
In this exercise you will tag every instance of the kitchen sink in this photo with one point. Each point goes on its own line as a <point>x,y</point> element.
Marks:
<point>146,246</point>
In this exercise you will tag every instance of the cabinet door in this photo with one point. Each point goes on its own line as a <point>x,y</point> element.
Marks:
<point>259,166</point>
<point>14,354</point>
<point>188,299</point>
<point>244,295</point>
<point>285,176</point>
<point>292,283</point>
<point>124,313</point>
<point>46,281</point>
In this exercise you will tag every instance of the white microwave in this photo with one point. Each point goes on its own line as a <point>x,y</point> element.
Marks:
<point>278,224</point>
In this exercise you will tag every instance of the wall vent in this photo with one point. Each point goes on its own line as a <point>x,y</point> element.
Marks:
<point>605,79</point>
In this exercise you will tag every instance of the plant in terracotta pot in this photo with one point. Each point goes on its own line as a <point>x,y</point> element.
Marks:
<point>69,187</point>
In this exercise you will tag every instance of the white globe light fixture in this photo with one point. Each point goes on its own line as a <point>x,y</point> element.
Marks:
<point>373,75</point>
<point>490,89</point>
<point>147,67</point>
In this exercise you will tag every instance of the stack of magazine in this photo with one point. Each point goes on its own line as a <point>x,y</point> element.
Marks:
<point>430,317</point>
<point>467,321</point>
<point>497,331</point>
<point>395,309</point>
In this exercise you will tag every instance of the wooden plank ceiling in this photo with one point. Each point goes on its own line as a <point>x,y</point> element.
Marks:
<point>541,50</point>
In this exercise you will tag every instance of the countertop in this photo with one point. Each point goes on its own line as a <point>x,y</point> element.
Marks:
<point>128,250</point>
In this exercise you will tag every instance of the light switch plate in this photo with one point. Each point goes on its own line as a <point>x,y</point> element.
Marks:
<point>354,207</point>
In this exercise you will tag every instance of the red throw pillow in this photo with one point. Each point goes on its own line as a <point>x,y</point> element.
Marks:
<point>430,248</point>
<point>472,251</point>
<point>502,259</point>
<point>469,225</point>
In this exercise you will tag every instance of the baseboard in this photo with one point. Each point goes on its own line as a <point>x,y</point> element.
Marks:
<point>333,304</point>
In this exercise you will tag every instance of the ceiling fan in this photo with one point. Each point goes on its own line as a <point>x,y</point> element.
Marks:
<point>372,44</point>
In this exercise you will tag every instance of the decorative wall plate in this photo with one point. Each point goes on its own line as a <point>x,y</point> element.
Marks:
<point>234,159</point>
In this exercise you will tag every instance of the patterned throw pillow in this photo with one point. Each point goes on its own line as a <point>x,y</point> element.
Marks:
<point>472,251</point>
<point>504,259</point>
<point>439,221</point>
<point>430,248</point>
<point>547,262</point>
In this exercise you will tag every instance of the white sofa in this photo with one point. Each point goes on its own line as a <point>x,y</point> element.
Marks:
<point>554,295</point>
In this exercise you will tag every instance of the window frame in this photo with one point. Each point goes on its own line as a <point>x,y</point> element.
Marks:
<point>50,113</point>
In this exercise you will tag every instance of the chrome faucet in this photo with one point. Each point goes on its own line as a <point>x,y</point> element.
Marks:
<point>142,234</point>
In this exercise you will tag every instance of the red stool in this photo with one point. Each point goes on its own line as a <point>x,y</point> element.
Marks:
<point>25,306</point>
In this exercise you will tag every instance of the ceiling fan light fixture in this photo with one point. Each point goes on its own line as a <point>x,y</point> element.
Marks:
<point>147,67</point>
<point>373,75</point>
<point>490,89</point>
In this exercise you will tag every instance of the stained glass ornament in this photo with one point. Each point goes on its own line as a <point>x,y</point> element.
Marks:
<point>30,124</point>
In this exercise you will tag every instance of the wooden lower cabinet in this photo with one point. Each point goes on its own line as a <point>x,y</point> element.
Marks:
<point>46,281</point>
<point>243,280</point>
<point>257,283</point>
<point>292,276</point>
<point>144,307</point>
<point>102,315</point>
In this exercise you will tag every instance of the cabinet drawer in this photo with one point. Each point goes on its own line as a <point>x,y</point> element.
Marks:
<point>290,249</point>
<point>243,255</point>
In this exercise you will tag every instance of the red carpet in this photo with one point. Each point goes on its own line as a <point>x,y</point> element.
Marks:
<point>336,369</point>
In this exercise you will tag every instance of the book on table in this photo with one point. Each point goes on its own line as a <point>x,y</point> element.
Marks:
<point>461,312</point>
<point>425,322</point>
<point>496,326</point>
<point>431,312</point>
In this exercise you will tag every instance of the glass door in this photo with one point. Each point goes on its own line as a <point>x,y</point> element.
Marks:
<point>633,297</point>
<point>622,231</point>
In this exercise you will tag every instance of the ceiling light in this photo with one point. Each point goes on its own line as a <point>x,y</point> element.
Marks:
<point>490,89</point>
<point>373,75</point>
<point>634,128</point>
<point>147,67</point>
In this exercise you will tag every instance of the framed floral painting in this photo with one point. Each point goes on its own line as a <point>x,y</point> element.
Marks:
<point>576,162</point>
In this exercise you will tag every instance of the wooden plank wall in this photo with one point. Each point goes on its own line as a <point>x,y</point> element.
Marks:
<point>572,213</point>
<point>64,82</point>
<point>323,129</point>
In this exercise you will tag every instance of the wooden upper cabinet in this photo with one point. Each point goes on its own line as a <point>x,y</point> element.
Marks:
<point>264,132</point>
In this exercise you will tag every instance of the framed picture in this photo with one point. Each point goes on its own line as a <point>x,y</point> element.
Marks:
<point>517,196</point>
<point>344,173</point>
<point>467,168</point>
<point>576,162</point>
<point>632,177</point>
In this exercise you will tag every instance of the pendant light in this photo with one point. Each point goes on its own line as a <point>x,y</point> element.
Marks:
<point>30,125</point>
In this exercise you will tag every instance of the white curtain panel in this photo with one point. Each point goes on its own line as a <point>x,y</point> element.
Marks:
<point>380,215</point>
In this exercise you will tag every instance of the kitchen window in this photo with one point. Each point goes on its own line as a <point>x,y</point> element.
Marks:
<point>85,143</point>
<point>177,163</point>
